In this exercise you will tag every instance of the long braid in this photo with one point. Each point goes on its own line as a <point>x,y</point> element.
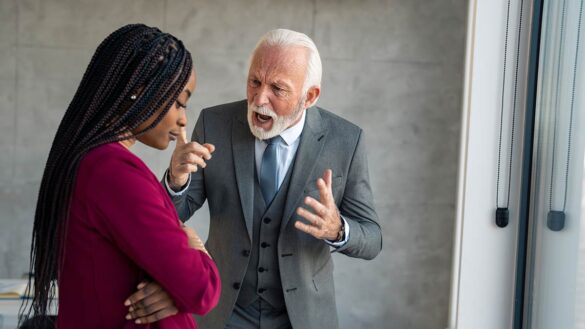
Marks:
<point>133,60</point>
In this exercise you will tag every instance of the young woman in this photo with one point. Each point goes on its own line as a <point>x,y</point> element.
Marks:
<point>103,221</point>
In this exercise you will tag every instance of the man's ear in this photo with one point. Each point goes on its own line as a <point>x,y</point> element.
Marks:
<point>312,95</point>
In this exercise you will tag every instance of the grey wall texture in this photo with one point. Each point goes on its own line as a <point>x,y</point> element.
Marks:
<point>394,67</point>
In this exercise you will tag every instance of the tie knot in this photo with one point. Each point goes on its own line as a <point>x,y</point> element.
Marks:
<point>274,140</point>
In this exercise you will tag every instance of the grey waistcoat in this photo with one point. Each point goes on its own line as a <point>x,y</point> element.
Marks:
<point>262,279</point>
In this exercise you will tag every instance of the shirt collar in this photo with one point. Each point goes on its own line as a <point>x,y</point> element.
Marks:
<point>291,134</point>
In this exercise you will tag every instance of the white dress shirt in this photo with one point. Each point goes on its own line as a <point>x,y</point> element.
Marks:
<point>285,152</point>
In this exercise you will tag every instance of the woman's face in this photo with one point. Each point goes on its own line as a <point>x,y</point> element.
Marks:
<point>169,127</point>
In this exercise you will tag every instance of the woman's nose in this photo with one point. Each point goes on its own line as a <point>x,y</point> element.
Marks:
<point>182,120</point>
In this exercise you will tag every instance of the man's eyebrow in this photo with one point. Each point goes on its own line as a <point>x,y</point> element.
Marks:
<point>282,83</point>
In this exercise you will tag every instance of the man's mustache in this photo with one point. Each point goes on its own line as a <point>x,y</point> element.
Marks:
<point>263,110</point>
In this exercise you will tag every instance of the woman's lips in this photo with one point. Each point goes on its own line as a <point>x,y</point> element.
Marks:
<point>172,136</point>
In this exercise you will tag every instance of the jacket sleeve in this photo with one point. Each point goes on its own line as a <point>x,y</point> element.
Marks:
<point>191,200</point>
<point>357,207</point>
<point>133,215</point>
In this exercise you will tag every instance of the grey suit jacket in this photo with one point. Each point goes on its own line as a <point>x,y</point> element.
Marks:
<point>227,183</point>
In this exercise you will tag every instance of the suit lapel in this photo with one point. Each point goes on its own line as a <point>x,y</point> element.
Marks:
<point>243,152</point>
<point>310,147</point>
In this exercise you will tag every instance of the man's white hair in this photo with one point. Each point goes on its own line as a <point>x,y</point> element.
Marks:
<point>289,38</point>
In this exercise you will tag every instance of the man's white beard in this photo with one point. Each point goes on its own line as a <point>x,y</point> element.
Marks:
<point>279,123</point>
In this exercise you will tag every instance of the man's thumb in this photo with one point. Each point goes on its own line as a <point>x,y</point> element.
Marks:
<point>209,147</point>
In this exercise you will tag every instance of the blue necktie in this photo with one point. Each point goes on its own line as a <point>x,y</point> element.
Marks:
<point>269,170</point>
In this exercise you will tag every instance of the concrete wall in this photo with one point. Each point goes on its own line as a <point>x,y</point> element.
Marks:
<point>394,67</point>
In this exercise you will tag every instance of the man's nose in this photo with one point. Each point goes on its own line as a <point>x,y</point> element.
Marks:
<point>261,97</point>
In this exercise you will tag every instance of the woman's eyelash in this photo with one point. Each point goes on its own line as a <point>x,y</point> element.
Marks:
<point>181,105</point>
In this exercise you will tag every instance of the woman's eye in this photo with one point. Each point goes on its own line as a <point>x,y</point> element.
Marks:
<point>181,105</point>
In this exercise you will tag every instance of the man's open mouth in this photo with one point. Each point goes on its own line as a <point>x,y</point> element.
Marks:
<point>263,118</point>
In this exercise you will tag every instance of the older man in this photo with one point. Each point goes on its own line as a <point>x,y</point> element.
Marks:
<point>288,183</point>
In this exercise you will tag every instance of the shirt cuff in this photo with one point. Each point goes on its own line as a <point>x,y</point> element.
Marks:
<point>170,190</point>
<point>338,244</point>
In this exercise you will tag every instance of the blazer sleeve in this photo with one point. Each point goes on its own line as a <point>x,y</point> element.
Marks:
<point>131,212</point>
<point>187,203</point>
<point>357,207</point>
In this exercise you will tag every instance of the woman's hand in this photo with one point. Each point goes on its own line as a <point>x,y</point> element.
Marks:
<point>149,304</point>
<point>194,239</point>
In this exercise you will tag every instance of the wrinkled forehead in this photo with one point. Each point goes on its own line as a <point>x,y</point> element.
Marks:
<point>269,58</point>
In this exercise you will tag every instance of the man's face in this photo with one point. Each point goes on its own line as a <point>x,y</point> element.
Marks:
<point>275,85</point>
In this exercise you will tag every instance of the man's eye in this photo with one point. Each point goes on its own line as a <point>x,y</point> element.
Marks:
<point>254,82</point>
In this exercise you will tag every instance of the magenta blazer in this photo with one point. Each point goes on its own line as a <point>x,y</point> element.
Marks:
<point>124,228</point>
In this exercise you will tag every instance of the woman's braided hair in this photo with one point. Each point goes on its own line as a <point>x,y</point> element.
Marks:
<point>135,71</point>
